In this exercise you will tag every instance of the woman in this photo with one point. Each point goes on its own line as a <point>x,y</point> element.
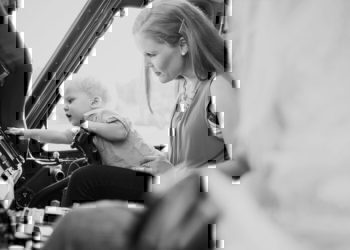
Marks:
<point>179,43</point>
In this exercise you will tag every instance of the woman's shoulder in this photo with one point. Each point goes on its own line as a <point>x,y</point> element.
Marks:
<point>223,84</point>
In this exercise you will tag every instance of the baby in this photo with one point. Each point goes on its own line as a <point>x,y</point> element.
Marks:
<point>117,142</point>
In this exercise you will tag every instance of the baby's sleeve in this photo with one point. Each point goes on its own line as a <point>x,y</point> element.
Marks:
<point>122,122</point>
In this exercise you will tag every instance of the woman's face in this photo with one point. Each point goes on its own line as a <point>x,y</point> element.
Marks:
<point>166,62</point>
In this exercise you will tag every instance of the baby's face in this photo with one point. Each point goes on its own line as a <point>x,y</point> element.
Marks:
<point>76,104</point>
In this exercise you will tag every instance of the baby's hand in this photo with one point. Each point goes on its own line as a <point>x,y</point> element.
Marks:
<point>14,131</point>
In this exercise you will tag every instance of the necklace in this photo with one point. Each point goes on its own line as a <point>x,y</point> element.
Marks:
<point>187,95</point>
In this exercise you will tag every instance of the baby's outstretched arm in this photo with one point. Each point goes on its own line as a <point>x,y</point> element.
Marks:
<point>42,135</point>
<point>115,131</point>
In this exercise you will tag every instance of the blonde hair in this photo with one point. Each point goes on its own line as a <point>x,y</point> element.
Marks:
<point>92,87</point>
<point>169,20</point>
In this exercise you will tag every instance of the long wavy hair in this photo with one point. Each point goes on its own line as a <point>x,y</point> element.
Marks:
<point>169,20</point>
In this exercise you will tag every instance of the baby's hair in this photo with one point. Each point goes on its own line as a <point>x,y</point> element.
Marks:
<point>92,88</point>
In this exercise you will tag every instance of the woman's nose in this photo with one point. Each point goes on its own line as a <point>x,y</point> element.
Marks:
<point>65,108</point>
<point>148,62</point>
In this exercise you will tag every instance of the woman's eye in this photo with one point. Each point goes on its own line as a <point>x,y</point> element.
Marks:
<point>150,54</point>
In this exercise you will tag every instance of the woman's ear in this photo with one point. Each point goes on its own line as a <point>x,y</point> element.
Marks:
<point>183,46</point>
<point>96,102</point>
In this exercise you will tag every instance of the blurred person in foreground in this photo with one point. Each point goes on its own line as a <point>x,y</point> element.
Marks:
<point>292,59</point>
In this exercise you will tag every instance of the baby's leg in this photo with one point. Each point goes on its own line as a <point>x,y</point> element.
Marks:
<point>95,182</point>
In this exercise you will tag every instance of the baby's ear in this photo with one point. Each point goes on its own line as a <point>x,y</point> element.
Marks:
<point>96,102</point>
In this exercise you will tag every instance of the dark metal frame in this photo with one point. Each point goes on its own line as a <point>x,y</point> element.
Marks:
<point>92,22</point>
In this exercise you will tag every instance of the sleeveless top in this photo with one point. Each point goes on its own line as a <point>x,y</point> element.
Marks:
<point>192,143</point>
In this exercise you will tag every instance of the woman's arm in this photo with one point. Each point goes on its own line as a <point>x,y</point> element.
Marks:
<point>114,131</point>
<point>232,168</point>
<point>225,103</point>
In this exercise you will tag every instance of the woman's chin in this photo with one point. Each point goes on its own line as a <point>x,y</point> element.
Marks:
<point>164,79</point>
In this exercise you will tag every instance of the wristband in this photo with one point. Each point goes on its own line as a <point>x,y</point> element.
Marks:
<point>85,125</point>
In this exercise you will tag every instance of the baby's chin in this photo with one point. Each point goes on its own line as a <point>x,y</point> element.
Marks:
<point>75,123</point>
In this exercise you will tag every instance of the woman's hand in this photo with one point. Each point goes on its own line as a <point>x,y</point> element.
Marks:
<point>169,179</point>
<point>166,174</point>
<point>154,165</point>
